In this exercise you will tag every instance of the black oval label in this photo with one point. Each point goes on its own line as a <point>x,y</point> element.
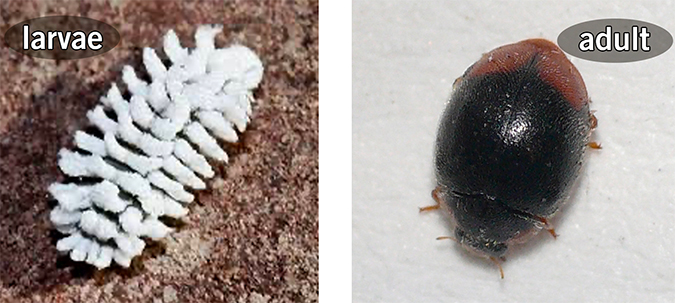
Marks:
<point>62,37</point>
<point>615,40</point>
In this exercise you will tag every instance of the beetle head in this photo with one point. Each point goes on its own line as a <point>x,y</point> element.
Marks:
<point>480,245</point>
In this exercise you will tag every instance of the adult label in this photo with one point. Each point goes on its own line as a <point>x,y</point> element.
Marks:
<point>615,40</point>
<point>62,37</point>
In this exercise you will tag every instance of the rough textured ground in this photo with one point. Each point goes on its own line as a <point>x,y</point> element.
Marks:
<point>252,237</point>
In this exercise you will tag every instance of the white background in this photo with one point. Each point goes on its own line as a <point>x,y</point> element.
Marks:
<point>617,232</point>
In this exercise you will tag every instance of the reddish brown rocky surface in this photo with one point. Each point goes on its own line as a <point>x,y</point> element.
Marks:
<point>252,237</point>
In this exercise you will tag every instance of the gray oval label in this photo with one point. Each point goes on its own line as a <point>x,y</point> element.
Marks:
<point>62,37</point>
<point>615,40</point>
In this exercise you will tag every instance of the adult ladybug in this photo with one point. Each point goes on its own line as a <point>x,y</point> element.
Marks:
<point>510,145</point>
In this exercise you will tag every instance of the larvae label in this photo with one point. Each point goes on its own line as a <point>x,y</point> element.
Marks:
<point>62,37</point>
<point>615,40</point>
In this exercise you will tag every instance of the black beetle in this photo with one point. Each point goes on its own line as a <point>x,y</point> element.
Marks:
<point>510,145</point>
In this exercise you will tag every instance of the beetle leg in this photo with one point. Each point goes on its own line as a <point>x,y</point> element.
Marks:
<point>456,83</point>
<point>434,194</point>
<point>594,124</point>
<point>548,226</point>
<point>447,238</point>
<point>594,145</point>
<point>594,121</point>
<point>501,271</point>
<point>552,232</point>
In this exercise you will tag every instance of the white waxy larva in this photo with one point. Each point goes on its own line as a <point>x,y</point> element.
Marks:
<point>151,150</point>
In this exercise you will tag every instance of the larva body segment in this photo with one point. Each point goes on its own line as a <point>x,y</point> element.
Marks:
<point>154,147</point>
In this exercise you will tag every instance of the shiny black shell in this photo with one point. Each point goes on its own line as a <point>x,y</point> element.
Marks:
<point>510,143</point>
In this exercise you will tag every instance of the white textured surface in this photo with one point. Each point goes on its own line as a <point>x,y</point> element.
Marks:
<point>617,234</point>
